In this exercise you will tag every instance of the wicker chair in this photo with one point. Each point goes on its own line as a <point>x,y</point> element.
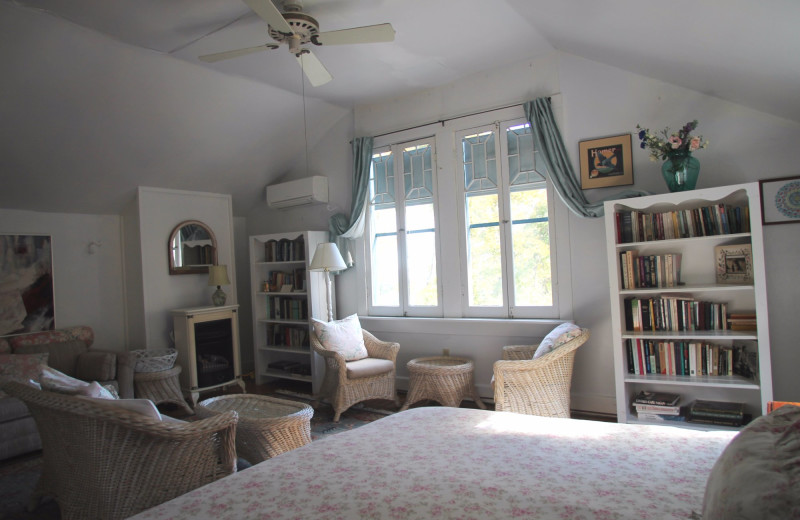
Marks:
<point>342,391</point>
<point>105,462</point>
<point>536,386</point>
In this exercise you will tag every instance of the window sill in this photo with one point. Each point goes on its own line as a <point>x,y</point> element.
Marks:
<point>460,326</point>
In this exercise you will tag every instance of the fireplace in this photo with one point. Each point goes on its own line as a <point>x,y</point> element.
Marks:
<point>207,340</point>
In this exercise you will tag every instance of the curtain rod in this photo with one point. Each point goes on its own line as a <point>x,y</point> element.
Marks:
<point>443,121</point>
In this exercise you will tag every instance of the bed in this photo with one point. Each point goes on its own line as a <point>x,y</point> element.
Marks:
<point>437,462</point>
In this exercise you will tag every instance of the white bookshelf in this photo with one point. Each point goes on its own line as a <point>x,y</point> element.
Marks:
<point>699,282</point>
<point>279,316</point>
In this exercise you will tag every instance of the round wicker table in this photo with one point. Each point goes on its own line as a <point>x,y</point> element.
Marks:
<point>444,379</point>
<point>267,426</point>
<point>160,387</point>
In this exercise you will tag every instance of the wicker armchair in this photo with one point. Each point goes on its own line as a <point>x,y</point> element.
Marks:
<point>343,391</point>
<point>536,386</point>
<point>107,462</point>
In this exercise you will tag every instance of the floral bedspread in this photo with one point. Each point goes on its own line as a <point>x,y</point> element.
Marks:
<point>450,463</point>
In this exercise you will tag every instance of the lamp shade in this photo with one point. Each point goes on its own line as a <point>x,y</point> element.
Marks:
<point>327,258</point>
<point>218,275</point>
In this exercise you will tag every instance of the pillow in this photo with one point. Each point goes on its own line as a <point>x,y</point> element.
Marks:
<point>54,381</point>
<point>63,354</point>
<point>343,336</point>
<point>758,474</point>
<point>24,368</point>
<point>140,406</point>
<point>557,337</point>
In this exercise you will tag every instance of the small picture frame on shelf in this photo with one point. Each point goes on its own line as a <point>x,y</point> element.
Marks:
<point>606,162</point>
<point>286,288</point>
<point>780,200</point>
<point>734,264</point>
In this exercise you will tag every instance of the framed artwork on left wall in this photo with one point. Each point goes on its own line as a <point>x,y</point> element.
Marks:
<point>606,162</point>
<point>27,302</point>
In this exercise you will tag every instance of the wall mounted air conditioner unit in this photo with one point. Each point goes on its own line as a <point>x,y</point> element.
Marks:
<point>309,190</point>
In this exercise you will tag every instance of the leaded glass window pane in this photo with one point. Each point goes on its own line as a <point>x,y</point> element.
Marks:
<point>480,162</point>
<point>418,172</point>
<point>382,178</point>
<point>521,158</point>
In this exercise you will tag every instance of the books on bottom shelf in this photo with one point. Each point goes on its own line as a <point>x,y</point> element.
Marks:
<point>645,397</point>
<point>717,412</point>
<point>658,406</point>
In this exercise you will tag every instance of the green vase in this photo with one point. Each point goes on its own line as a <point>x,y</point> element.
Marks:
<point>680,171</point>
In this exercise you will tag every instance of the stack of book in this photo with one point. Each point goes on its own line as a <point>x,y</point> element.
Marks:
<point>742,321</point>
<point>657,406</point>
<point>717,412</point>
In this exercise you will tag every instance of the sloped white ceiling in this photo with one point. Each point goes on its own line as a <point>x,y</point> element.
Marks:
<point>98,96</point>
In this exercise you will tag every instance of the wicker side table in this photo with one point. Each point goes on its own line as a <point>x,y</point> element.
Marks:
<point>445,379</point>
<point>160,387</point>
<point>267,426</point>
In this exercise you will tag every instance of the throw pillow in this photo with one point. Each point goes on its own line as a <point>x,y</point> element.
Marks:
<point>63,354</point>
<point>24,368</point>
<point>758,474</point>
<point>557,337</point>
<point>54,381</point>
<point>343,336</point>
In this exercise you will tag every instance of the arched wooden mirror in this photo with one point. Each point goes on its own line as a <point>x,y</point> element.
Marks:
<point>191,248</point>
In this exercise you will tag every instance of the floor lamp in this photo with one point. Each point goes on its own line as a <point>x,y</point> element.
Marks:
<point>327,258</point>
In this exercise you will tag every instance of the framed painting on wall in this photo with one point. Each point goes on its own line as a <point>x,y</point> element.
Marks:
<point>27,302</point>
<point>606,162</point>
<point>780,200</point>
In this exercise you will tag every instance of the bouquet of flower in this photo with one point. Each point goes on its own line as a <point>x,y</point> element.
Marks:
<point>680,141</point>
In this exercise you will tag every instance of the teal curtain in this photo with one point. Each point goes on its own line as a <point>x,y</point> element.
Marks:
<point>343,229</point>
<point>539,114</point>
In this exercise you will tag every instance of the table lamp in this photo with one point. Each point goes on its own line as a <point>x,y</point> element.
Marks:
<point>218,275</point>
<point>327,258</point>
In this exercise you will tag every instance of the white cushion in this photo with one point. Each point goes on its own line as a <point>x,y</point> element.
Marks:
<point>557,337</point>
<point>343,336</point>
<point>54,381</point>
<point>368,367</point>
<point>141,406</point>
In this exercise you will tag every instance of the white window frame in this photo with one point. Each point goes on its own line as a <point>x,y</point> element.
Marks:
<point>507,309</point>
<point>405,308</point>
<point>449,227</point>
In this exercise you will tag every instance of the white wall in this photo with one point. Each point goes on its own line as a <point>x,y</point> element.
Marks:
<point>745,145</point>
<point>160,211</point>
<point>88,288</point>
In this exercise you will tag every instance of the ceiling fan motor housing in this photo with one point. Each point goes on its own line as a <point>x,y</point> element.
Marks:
<point>306,29</point>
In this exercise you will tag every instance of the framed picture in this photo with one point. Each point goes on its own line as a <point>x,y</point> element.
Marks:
<point>26,284</point>
<point>606,162</point>
<point>734,264</point>
<point>780,200</point>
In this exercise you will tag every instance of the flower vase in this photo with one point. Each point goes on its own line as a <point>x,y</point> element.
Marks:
<point>680,171</point>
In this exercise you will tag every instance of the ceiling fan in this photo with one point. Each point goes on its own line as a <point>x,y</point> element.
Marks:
<point>296,28</point>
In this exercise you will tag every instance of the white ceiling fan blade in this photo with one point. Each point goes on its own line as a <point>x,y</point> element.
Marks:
<point>211,58</point>
<point>270,14</point>
<point>369,34</point>
<point>314,70</point>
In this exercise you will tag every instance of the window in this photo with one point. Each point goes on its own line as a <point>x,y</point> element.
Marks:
<point>403,276</point>
<point>506,264</point>
<point>469,233</point>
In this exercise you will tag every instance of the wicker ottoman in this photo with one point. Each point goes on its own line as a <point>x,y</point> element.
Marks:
<point>444,379</point>
<point>267,426</point>
<point>160,387</point>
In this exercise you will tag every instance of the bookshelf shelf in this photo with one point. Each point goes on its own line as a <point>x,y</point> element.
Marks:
<point>282,320</point>
<point>674,237</point>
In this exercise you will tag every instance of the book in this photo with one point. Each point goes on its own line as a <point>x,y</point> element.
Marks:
<point>645,416</point>
<point>657,398</point>
<point>717,406</point>
<point>657,409</point>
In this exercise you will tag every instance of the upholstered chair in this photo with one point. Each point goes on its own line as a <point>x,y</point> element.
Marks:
<point>349,382</point>
<point>103,460</point>
<point>540,385</point>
